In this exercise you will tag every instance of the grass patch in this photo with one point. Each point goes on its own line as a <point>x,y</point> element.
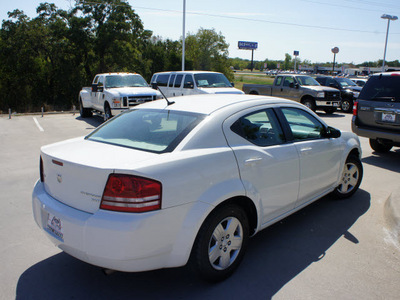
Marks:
<point>241,79</point>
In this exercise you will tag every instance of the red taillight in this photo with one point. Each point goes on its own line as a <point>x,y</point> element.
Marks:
<point>41,170</point>
<point>355,105</point>
<point>128,193</point>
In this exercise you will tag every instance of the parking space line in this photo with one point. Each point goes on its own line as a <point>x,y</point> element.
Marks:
<point>37,124</point>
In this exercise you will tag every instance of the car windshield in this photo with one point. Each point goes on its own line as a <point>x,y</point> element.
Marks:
<point>307,80</point>
<point>155,131</point>
<point>211,80</point>
<point>345,82</point>
<point>382,88</point>
<point>117,81</point>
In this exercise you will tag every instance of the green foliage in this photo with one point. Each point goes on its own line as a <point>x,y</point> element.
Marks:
<point>208,50</point>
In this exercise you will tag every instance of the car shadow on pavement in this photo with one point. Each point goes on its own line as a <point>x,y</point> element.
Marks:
<point>94,121</point>
<point>275,256</point>
<point>389,161</point>
<point>335,115</point>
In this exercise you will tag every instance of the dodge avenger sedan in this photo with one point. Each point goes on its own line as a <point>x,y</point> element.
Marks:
<point>189,180</point>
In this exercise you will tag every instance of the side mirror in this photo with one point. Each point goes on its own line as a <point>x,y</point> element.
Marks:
<point>154,85</point>
<point>333,133</point>
<point>94,87</point>
<point>291,85</point>
<point>232,84</point>
<point>296,85</point>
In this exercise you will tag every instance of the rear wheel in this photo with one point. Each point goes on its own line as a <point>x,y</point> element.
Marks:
<point>379,146</point>
<point>310,103</point>
<point>221,243</point>
<point>84,112</point>
<point>351,178</point>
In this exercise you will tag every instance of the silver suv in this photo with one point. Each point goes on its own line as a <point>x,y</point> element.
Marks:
<point>376,114</point>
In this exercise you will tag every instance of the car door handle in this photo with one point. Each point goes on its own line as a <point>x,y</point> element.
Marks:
<point>252,160</point>
<point>305,150</point>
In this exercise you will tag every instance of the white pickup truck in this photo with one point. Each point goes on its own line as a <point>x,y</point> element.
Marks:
<point>112,93</point>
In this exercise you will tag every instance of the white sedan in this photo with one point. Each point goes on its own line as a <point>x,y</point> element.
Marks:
<point>189,180</point>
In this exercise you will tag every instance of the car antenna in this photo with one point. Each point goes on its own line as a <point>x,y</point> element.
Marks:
<point>156,87</point>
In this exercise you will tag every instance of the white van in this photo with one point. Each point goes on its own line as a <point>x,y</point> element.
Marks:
<point>182,83</point>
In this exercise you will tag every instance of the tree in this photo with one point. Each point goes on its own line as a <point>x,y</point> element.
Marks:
<point>208,50</point>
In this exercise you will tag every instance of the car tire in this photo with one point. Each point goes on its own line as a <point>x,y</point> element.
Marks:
<point>330,110</point>
<point>221,243</point>
<point>350,178</point>
<point>347,105</point>
<point>379,146</point>
<point>310,103</point>
<point>84,112</point>
<point>107,112</point>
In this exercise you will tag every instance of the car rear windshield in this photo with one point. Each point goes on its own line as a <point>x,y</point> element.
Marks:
<point>382,88</point>
<point>155,131</point>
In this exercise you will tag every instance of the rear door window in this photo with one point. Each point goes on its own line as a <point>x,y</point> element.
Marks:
<point>178,81</point>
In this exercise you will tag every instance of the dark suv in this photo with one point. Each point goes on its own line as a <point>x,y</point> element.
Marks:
<point>349,91</point>
<point>376,114</point>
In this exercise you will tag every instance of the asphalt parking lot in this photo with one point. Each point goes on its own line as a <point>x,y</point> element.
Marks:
<point>329,250</point>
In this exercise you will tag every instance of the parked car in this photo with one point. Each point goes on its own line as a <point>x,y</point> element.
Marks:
<point>301,88</point>
<point>359,81</point>
<point>376,113</point>
<point>112,93</point>
<point>349,91</point>
<point>196,178</point>
<point>184,83</point>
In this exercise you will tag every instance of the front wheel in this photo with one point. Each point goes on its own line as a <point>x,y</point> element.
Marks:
<point>221,243</point>
<point>107,112</point>
<point>310,103</point>
<point>351,178</point>
<point>347,105</point>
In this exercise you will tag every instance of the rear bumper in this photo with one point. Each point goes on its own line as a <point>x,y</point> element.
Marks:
<point>118,241</point>
<point>374,133</point>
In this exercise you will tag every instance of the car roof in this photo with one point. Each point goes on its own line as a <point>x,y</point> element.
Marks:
<point>207,104</point>
<point>387,74</point>
<point>186,72</point>
<point>118,73</point>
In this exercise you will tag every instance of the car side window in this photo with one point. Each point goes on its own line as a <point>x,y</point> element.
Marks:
<point>278,81</point>
<point>260,128</point>
<point>303,125</point>
<point>178,80</point>
<point>189,82</point>
<point>171,80</point>
<point>288,81</point>
<point>162,79</point>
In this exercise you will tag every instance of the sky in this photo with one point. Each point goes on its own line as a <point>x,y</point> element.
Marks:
<point>312,27</point>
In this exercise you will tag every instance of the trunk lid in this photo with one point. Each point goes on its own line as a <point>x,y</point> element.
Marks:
<point>76,171</point>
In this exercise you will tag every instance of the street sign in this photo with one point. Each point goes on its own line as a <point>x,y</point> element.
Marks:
<point>335,50</point>
<point>296,53</point>
<point>247,45</point>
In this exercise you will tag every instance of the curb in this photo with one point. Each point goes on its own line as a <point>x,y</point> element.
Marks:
<point>392,213</point>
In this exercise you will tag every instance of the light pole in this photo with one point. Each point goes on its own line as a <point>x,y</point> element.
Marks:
<point>389,18</point>
<point>183,35</point>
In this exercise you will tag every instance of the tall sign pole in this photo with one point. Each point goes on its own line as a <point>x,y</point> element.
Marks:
<point>334,51</point>
<point>248,46</point>
<point>295,53</point>
<point>183,35</point>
